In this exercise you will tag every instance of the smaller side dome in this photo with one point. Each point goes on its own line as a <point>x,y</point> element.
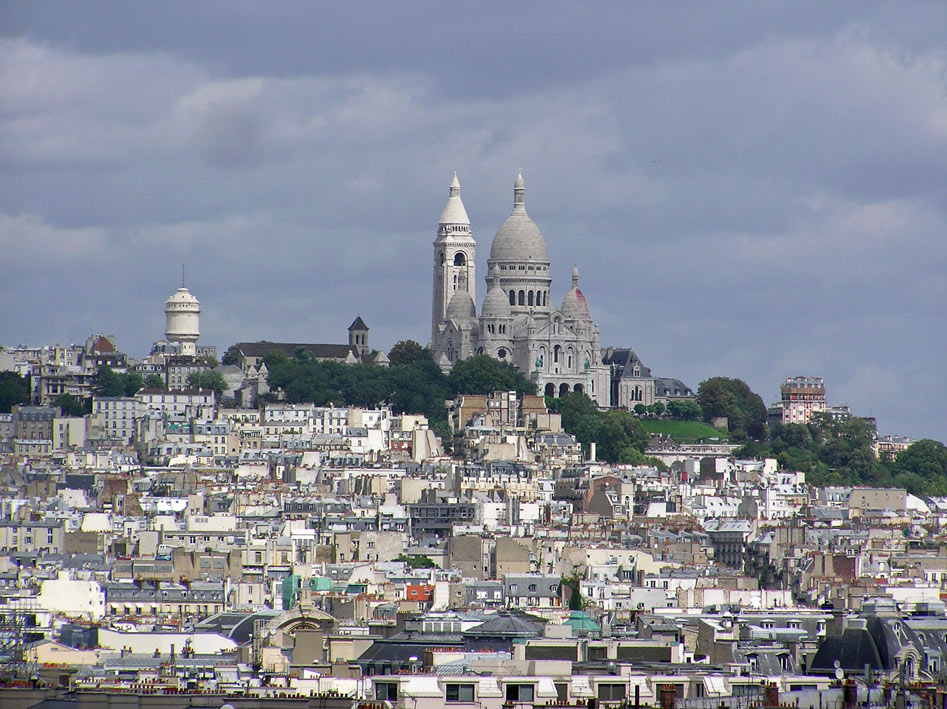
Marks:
<point>461,307</point>
<point>574,305</point>
<point>495,304</point>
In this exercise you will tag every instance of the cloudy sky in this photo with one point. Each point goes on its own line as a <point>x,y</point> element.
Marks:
<point>753,190</point>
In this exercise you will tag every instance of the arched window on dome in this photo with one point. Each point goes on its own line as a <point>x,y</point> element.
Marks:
<point>529,299</point>
<point>522,297</point>
<point>545,296</point>
<point>441,258</point>
<point>460,259</point>
<point>512,297</point>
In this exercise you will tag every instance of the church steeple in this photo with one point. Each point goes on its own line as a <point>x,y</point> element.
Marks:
<point>455,254</point>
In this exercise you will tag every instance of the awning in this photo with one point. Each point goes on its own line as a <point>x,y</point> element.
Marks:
<point>421,687</point>
<point>715,686</point>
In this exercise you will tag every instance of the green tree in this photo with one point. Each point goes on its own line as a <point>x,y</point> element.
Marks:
<point>573,582</point>
<point>922,466</point>
<point>210,361</point>
<point>154,381</point>
<point>417,562</point>
<point>621,437</point>
<point>684,409</point>
<point>732,398</point>
<point>641,409</point>
<point>482,374</point>
<point>580,417</point>
<point>71,405</point>
<point>231,356</point>
<point>106,382</point>
<point>132,383</point>
<point>14,390</point>
<point>927,458</point>
<point>207,379</point>
<point>407,351</point>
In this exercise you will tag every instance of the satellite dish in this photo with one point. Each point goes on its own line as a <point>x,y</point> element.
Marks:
<point>839,673</point>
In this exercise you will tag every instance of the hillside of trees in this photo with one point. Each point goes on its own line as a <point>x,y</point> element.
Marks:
<point>412,383</point>
<point>618,435</point>
<point>732,399</point>
<point>840,453</point>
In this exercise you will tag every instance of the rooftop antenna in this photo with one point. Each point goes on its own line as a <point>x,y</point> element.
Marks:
<point>182,275</point>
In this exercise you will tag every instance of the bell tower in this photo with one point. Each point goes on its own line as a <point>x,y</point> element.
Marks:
<point>454,258</point>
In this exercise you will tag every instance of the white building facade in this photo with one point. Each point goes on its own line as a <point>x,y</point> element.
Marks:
<point>555,347</point>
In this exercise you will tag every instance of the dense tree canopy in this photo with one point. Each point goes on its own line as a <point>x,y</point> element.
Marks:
<point>684,410</point>
<point>407,351</point>
<point>231,356</point>
<point>417,386</point>
<point>154,381</point>
<point>921,468</point>
<point>71,405</point>
<point>483,374</point>
<point>840,452</point>
<point>207,379</point>
<point>618,435</point>
<point>14,390</point>
<point>732,398</point>
<point>106,382</point>
<point>412,383</point>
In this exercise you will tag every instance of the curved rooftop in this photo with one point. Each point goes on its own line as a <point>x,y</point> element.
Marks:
<point>461,306</point>
<point>495,303</point>
<point>574,305</point>
<point>518,238</point>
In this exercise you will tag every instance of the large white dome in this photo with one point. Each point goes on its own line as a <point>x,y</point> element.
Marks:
<point>519,239</point>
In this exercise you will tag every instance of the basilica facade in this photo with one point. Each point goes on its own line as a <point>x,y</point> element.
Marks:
<point>557,347</point>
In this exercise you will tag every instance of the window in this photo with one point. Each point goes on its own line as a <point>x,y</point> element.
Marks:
<point>386,691</point>
<point>512,297</point>
<point>459,693</point>
<point>521,298</point>
<point>529,298</point>
<point>611,692</point>
<point>519,692</point>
